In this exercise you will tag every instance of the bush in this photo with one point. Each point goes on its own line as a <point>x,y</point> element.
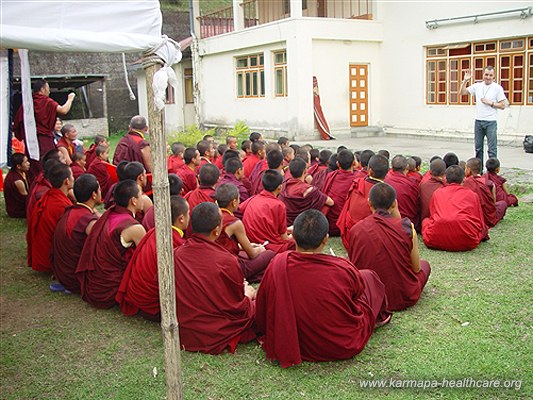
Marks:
<point>189,137</point>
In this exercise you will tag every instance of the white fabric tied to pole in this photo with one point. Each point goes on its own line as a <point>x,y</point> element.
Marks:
<point>30,128</point>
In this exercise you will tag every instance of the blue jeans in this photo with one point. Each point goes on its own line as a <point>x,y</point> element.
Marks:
<point>488,129</point>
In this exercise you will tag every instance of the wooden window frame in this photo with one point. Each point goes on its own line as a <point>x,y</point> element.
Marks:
<point>474,51</point>
<point>511,91</point>
<point>170,95</point>
<point>280,66</point>
<point>188,86</point>
<point>251,77</point>
<point>512,49</point>
<point>529,77</point>
<point>461,99</point>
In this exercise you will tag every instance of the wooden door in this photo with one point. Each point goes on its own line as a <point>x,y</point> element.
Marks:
<point>358,95</point>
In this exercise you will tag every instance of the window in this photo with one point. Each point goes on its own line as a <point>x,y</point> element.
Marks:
<point>250,74</point>
<point>170,95</point>
<point>436,82</point>
<point>280,74</point>
<point>188,85</point>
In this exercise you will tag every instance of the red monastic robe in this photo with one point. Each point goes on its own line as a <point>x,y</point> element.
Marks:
<point>129,149</point>
<point>230,178</point>
<point>383,244</point>
<point>315,168</point>
<point>407,195</point>
<point>336,186</point>
<point>501,195</point>
<point>90,154</point>
<point>493,212</point>
<point>320,177</point>
<point>199,195</point>
<point>77,170</point>
<point>415,175</point>
<point>104,259</point>
<point>71,147</point>
<point>249,163</point>
<point>456,221</point>
<point>425,177</point>
<point>292,195</point>
<point>39,186</point>
<point>139,288</point>
<point>67,244</point>
<point>316,307</point>
<point>426,192</point>
<point>213,312</point>
<point>362,173</point>
<point>218,163</point>
<point>44,219</point>
<point>15,202</point>
<point>256,177</point>
<point>99,170</point>
<point>265,218</point>
<point>174,162</point>
<point>189,179</point>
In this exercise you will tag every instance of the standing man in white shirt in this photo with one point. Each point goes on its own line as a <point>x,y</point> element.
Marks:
<point>489,98</point>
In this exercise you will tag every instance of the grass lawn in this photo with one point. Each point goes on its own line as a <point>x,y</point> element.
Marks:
<point>473,321</point>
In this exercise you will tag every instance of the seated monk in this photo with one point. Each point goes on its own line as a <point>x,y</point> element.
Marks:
<point>365,157</point>
<point>387,244</point>
<point>109,247</point>
<point>72,230</point>
<point>298,195</point>
<point>437,170</point>
<point>323,160</point>
<point>208,177</point>
<point>138,292</point>
<point>288,155</point>
<point>66,144</point>
<point>265,216</point>
<point>121,176</point>
<point>317,307</point>
<point>16,186</point>
<point>303,154</point>
<point>493,210</point>
<point>406,189</point>
<point>274,160</point>
<point>427,175</point>
<point>45,216</point>
<point>500,183</point>
<point>456,221</point>
<point>133,146</point>
<point>207,153</point>
<point>174,185</point>
<point>337,185</point>
<point>99,170</point>
<point>99,140</point>
<point>258,154</point>
<point>78,164</point>
<point>187,172</point>
<point>413,169</point>
<point>320,177</point>
<point>356,207</point>
<point>253,258</point>
<point>215,305</point>
<point>175,160</point>
<point>233,173</point>
<point>136,172</point>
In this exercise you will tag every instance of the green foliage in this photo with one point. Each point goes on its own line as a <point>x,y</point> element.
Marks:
<point>241,131</point>
<point>190,136</point>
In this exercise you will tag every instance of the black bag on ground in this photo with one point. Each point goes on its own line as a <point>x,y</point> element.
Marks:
<point>528,143</point>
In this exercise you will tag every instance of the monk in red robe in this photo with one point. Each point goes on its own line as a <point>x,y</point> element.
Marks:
<point>99,169</point>
<point>133,146</point>
<point>253,258</point>
<point>336,186</point>
<point>387,244</point>
<point>456,221</point>
<point>437,169</point>
<point>500,183</point>
<point>16,186</point>
<point>78,164</point>
<point>274,160</point>
<point>207,152</point>
<point>99,140</point>
<point>175,160</point>
<point>298,195</point>
<point>72,230</point>
<point>320,177</point>
<point>493,210</point>
<point>406,189</point>
<point>215,306</point>
<point>174,185</point>
<point>187,172</point>
<point>233,173</point>
<point>136,172</point>
<point>66,144</point>
<point>109,247</point>
<point>322,164</point>
<point>265,216</point>
<point>413,169</point>
<point>365,157</point>
<point>317,307</point>
<point>138,292</point>
<point>209,174</point>
<point>258,154</point>
<point>45,215</point>
<point>356,207</point>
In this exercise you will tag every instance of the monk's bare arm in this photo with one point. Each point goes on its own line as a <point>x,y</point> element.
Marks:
<point>505,187</point>
<point>237,229</point>
<point>415,255</point>
<point>329,201</point>
<point>134,234</point>
<point>90,227</point>
<point>21,187</point>
<point>65,108</point>
<point>147,158</point>
<point>309,179</point>
<point>493,191</point>
<point>147,203</point>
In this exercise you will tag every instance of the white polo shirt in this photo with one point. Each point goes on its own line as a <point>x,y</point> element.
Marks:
<point>493,93</point>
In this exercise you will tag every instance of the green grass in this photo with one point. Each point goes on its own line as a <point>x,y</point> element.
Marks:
<point>54,346</point>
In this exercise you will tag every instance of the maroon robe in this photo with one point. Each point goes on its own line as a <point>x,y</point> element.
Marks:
<point>426,192</point>
<point>203,161</point>
<point>77,170</point>
<point>336,186</point>
<point>256,177</point>
<point>71,147</point>
<point>174,162</point>
<point>292,195</point>
<point>407,195</point>
<point>501,195</point>
<point>265,218</point>
<point>67,244</point>
<point>362,173</point>
<point>15,202</point>
<point>320,177</point>
<point>149,219</point>
<point>139,288</point>
<point>249,163</point>
<point>316,307</point>
<point>99,170</point>
<point>44,219</point>
<point>103,259</point>
<point>129,148</point>
<point>315,168</point>
<point>383,244</point>
<point>415,175</point>
<point>39,186</point>
<point>426,177</point>
<point>230,178</point>
<point>213,312</point>
<point>492,211</point>
<point>90,155</point>
<point>199,195</point>
<point>456,221</point>
<point>189,179</point>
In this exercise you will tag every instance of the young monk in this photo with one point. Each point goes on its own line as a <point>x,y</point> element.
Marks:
<point>336,186</point>
<point>187,172</point>
<point>215,305</point>
<point>320,177</point>
<point>288,156</point>
<point>175,160</point>
<point>456,220</point>
<point>265,216</point>
<point>45,216</point>
<point>413,169</point>
<point>109,247</point>
<point>253,258</point>
<point>16,186</point>
<point>437,169</point>
<point>72,230</point>
<point>233,173</point>
<point>317,307</point>
<point>174,185</point>
<point>493,210</point>
<point>387,244</point>
<point>99,170</point>
<point>66,144</point>
<point>138,292</point>
<point>207,153</point>
<point>78,164</point>
<point>136,172</point>
<point>208,177</point>
<point>366,155</point>
<point>99,140</point>
<point>500,183</point>
<point>274,160</point>
<point>298,195</point>
<point>258,154</point>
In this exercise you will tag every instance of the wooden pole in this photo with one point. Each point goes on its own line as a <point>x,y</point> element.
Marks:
<point>165,255</point>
